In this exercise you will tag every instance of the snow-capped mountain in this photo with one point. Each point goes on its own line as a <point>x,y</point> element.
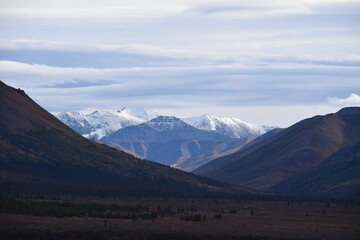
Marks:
<point>99,124</point>
<point>136,114</point>
<point>76,121</point>
<point>161,129</point>
<point>232,127</point>
<point>102,123</point>
<point>166,123</point>
<point>167,140</point>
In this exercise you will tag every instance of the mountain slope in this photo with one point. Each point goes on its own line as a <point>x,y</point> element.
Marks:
<point>231,127</point>
<point>167,140</point>
<point>349,110</point>
<point>41,154</point>
<point>219,150</point>
<point>162,129</point>
<point>338,174</point>
<point>293,156</point>
<point>253,146</point>
<point>173,152</point>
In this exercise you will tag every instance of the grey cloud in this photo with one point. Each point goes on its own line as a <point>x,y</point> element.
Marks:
<point>78,83</point>
<point>210,85</point>
<point>276,54</point>
<point>64,54</point>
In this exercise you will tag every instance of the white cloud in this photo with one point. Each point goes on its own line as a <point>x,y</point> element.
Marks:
<point>182,57</point>
<point>161,8</point>
<point>90,3</point>
<point>100,10</point>
<point>29,44</point>
<point>190,73</point>
<point>230,54</point>
<point>81,9</point>
<point>238,90</point>
<point>274,7</point>
<point>224,5</point>
<point>353,99</point>
<point>249,9</point>
<point>276,84</point>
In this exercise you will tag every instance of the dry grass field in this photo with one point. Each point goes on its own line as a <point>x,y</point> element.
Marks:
<point>194,218</point>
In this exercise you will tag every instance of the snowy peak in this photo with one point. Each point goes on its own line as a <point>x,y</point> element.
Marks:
<point>232,127</point>
<point>161,129</point>
<point>144,114</point>
<point>99,124</point>
<point>76,121</point>
<point>204,122</point>
<point>102,123</point>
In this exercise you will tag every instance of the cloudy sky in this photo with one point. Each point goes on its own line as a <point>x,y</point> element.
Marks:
<point>266,62</point>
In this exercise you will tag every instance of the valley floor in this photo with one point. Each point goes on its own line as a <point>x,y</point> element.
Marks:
<point>188,218</point>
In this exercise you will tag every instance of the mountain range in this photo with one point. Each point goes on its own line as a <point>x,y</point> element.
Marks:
<point>232,127</point>
<point>316,156</point>
<point>167,140</point>
<point>40,154</point>
<point>182,143</point>
<point>99,124</point>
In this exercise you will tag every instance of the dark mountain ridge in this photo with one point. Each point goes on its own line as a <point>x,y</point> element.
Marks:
<point>40,154</point>
<point>349,110</point>
<point>317,156</point>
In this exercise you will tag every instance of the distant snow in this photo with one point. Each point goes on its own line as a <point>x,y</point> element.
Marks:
<point>232,127</point>
<point>99,124</point>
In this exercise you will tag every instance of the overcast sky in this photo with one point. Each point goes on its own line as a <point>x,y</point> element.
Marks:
<point>266,62</point>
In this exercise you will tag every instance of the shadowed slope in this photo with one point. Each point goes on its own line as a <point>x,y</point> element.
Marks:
<point>305,159</point>
<point>41,154</point>
<point>217,151</point>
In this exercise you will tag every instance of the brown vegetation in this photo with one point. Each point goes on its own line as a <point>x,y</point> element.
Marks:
<point>317,156</point>
<point>240,219</point>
